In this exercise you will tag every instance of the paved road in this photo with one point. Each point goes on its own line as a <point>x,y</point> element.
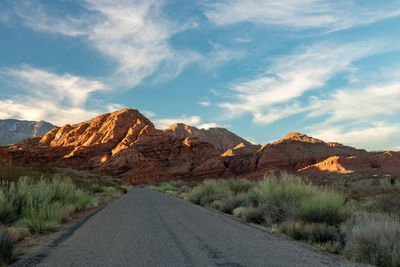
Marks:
<point>148,228</point>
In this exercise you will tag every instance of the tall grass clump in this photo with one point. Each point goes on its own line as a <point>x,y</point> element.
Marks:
<point>324,206</point>
<point>42,204</point>
<point>7,210</point>
<point>209,188</point>
<point>286,188</point>
<point>375,239</point>
<point>42,217</point>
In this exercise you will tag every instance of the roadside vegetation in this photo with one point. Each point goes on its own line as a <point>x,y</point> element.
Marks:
<point>358,220</point>
<point>37,200</point>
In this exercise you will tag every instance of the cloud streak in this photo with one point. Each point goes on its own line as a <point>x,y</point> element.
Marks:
<point>289,77</point>
<point>300,14</point>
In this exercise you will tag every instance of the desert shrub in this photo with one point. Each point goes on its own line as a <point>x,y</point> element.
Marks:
<point>254,215</point>
<point>7,210</point>
<point>314,232</point>
<point>296,229</point>
<point>207,200</point>
<point>216,204</point>
<point>82,200</point>
<point>168,187</point>
<point>389,201</point>
<point>208,188</point>
<point>324,206</point>
<point>6,246</point>
<point>229,203</point>
<point>238,186</point>
<point>286,188</point>
<point>374,239</point>
<point>322,233</point>
<point>239,212</point>
<point>42,217</point>
<point>18,233</point>
<point>277,212</point>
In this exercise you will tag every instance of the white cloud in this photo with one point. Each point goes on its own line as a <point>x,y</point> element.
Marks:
<point>195,121</point>
<point>382,136</point>
<point>330,15</point>
<point>59,99</point>
<point>148,113</point>
<point>133,33</point>
<point>362,105</point>
<point>289,77</point>
<point>205,103</point>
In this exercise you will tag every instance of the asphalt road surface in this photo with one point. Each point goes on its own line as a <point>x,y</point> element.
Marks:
<point>149,228</point>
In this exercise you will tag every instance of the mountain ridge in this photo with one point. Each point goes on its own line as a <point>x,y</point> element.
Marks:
<point>127,145</point>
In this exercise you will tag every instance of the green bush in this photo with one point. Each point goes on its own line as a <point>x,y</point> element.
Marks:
<point>42,217</point>
<point>82,200</point>
<point>239,212</point>
<point>7,210</point>
<point>325,207</point>
<point>254,215</point>
<point>374,239</point>
<point>286,188</point>
<point>314,232</point>
<point>231,202</point>
<point>6,246</point>
<point>296,229</point>
<point>208,188</point>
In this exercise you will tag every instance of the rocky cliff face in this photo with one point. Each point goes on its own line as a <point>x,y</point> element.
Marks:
<point>221,138</point>
<point>126,144</point>
<point>14,131</point>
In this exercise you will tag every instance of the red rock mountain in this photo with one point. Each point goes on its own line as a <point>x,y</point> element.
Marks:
<point>126,144</point>
<point>123,144</point>
<point>221,138</point>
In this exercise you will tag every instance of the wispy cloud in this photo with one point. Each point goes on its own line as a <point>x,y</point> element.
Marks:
<point>359,105</point>
<point>45,95</point>
<point>330,15</point>
<point>133,33</point>
<point>272,96</point>
<point>382,135</point>
<point>195,121</point>
<point>205,103</point>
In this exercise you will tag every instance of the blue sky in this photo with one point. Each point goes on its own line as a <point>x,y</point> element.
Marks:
<point>262,69</point>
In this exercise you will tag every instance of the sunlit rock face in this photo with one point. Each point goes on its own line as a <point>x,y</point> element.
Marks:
<point>126,144</point>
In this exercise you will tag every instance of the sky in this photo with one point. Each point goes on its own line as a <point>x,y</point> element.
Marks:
<point>326,68</point>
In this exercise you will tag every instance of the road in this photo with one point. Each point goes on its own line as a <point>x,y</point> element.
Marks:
<point>149,228</point>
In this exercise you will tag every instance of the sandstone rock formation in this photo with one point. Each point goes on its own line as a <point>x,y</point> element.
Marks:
<point>14,131</point>
<point>126,144</point>
<point>123,144</point>
<point>221,138</point>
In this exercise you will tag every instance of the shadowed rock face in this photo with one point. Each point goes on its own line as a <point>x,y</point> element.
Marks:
<point>126,144</point>
<point>14,131</point>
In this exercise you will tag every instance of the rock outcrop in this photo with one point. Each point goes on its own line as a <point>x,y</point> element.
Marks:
<point>14,131</point>
<point>221,138</point>
<point>126,144</point>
